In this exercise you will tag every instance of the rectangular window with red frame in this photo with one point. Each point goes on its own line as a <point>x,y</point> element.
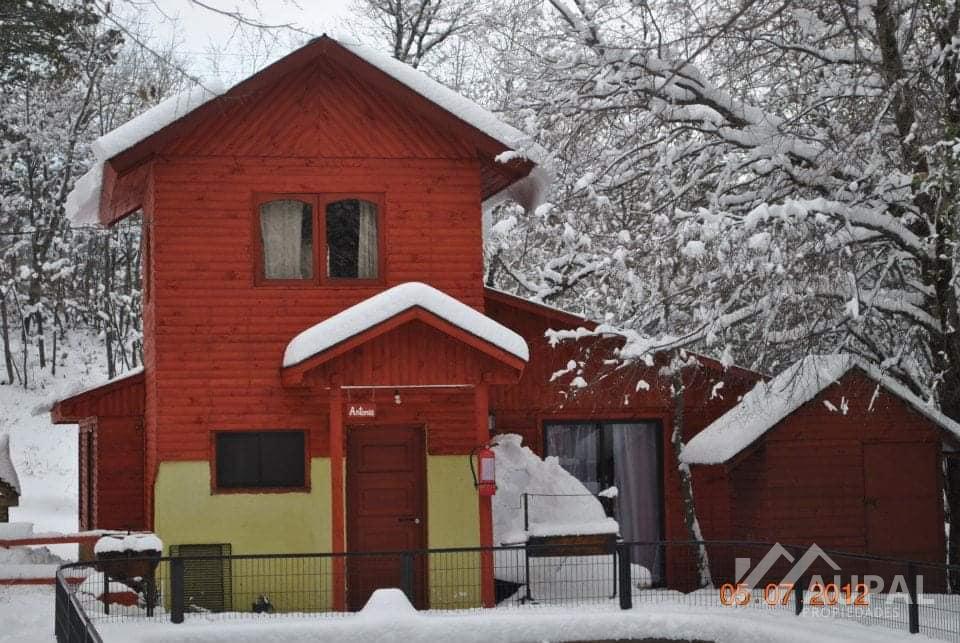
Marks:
<point>261,459</point>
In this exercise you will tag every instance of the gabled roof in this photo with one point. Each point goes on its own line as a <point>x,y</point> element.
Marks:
<point>507,150</point>
<point>768,403</point>
<point>394,306</point>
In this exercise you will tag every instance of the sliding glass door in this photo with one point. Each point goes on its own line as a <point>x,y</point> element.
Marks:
<point>625,455</point>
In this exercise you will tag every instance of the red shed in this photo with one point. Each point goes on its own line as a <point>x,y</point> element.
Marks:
<point>834,452</point>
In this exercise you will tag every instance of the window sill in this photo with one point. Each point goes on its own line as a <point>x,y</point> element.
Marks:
<point>217,491</point>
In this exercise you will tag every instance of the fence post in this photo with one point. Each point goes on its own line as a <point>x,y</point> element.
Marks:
<point>176,590</point>
<point>913,609</point>
<point>59,607</point>
<point>626,581</point>
<point>406,575</point>
<point>106,593</point>
<point>798,596</point>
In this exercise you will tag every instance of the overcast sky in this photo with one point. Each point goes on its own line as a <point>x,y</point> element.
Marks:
<point>199,30</point>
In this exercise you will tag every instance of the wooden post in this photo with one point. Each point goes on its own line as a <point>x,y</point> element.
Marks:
<point>336,498</point>
<point>482,410</point>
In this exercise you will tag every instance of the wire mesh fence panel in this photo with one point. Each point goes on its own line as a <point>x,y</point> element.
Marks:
<point>812,583</point>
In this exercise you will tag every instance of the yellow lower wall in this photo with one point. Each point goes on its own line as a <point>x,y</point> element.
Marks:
<point>453,520</point>
<point>186,512</point>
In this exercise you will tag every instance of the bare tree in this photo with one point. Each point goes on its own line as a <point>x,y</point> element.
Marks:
<point>415,28</point>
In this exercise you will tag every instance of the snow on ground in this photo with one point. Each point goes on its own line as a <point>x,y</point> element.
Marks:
<point>390,618</point>
<point>45,455</point>
<point>26,613</point>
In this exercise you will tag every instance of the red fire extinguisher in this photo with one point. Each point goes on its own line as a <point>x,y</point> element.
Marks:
<point>486,481</point>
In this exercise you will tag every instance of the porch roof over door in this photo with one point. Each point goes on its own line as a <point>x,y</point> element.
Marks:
<point>408,335</point>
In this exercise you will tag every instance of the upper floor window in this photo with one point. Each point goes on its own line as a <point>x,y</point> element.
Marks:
<point>352,240</point>
<point>286,229</point>
<point>343,244</point>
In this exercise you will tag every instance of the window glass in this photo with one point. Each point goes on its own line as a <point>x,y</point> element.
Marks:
<point>260,459</point>
<point>286,227</point>
<point>625,455</point>
<point>352,244</point>
<point>281,459</point>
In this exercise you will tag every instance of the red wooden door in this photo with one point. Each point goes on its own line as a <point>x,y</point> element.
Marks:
<point>386,508</point>
<point>902,497</point>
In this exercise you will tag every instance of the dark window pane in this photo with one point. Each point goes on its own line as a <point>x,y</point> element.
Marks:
<point>238,459</point>
<point>286,226</point>
<point>352,239</point>
<point>281,459</point>
<point>261,459</point>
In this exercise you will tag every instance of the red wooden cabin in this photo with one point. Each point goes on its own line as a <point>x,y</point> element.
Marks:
<point>277,411</point>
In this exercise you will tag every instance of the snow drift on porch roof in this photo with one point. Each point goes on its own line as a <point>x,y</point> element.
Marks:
<point>389,303</point>
<point>768,403</point>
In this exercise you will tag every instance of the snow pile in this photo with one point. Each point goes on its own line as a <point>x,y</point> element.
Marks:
<point>131,543</point>
<point>389,303</point>
<point>83,202</point>
<point>566,508</point>
<point>768,403</point>
<point>28,563</point>
<point>388,604</point>
<point>8,473</point>
<point>29,556</point>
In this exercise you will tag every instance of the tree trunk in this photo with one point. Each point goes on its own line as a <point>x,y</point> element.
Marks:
<point>5,330</point>
<point>686,479</point>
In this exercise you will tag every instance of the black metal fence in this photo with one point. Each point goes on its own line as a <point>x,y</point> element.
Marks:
<point>908,596</point>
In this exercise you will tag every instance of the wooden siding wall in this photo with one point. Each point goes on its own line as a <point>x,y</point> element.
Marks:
<point>805,482</point>
<point>524,408</point>
<point>119,475</point>
<point>413,352</point>
<point>213,340</point>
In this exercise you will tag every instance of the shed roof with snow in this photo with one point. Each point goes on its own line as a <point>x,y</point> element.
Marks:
<point>769,403</point>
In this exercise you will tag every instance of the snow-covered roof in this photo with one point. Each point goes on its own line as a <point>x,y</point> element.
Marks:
<point>768,403</point>
<point>458,105</point>
<point>7,473</point>
<point>389,303</point>
<point>83,202</point>
<point>88,387</point>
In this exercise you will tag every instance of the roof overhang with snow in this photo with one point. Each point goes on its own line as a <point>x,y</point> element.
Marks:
<point>392,309</point>
<point>121,396</point>
<point>513,165</point>
<point>769,403</point>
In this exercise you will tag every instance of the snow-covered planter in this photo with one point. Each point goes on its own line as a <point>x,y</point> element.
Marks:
<point>130,559</point>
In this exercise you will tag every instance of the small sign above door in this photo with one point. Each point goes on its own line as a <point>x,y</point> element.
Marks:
<point>364,410</point>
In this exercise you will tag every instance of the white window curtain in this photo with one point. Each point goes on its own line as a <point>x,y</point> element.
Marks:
<point>367,244</point>
<point>636,476</point>
<point>286,253</point>
<point>575,446</point>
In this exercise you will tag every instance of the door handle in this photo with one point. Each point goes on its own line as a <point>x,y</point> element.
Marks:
<point>415,521</point>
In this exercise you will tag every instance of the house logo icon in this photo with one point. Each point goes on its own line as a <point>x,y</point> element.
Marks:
<point>751,578</point>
